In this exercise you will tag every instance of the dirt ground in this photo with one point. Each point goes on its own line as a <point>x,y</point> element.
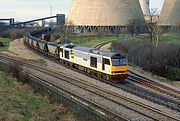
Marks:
<point>17,49</point>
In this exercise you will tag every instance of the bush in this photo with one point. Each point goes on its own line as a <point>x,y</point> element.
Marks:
<point>12,33</point>
<point>1,44</point>
<point>154,59</point>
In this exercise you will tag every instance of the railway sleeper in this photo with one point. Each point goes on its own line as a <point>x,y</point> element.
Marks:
<point>94,73</point>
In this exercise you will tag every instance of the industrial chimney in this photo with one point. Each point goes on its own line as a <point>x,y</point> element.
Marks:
<point>145,7</point>
<point>91,15</point>
<point>170,14</point>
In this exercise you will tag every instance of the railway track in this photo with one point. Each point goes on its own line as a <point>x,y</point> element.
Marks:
<point>57,85</point>
<point>131,88</point>
<point>153,91</point>
<point>156,86</point>
<point>133,105</point>
<point>98,46</point>
<point>156,92</point>
<point>150,95</point>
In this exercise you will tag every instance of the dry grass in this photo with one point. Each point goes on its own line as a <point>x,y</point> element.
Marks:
<point>19,103</point>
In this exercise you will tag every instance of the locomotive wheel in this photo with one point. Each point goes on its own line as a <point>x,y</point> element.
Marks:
<point>99,75</point>
<point>88,71</point>
<point>71,64</point>
<point>107,77</point>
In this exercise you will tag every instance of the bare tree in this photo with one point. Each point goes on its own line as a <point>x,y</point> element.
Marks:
<point>134,26</point>
<point>178,29</point>
<point>65,31</point>
<point>153,27</point>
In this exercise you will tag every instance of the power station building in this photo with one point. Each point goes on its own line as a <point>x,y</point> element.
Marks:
<point>92,15</point>
<point>170,14</point>
<point>145,7</point>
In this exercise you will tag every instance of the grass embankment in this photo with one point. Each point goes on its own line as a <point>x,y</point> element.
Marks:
<point>90,41</point>
<point>19,103</point>
<point>166,37</point>
<point>170,37</point>
<point>6,42</point>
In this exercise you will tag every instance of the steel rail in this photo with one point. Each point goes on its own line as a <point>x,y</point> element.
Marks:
<point>82,98</point>
<point>114,94</point>
<point>151,82</point>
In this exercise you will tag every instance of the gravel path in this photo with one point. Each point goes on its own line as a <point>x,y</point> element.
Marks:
<point>17,49</point>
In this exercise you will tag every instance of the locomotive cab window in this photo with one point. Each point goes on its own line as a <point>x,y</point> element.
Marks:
<point>119,61</point>
<point>106,61</point>
<point>93,62</point>
<point>66,54</point>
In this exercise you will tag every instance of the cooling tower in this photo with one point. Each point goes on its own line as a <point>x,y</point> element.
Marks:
<point>145,7</point>
<point>104,12</point>
<point>170,14</point>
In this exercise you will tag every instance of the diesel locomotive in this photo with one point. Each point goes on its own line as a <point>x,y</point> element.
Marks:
<point>107,66</point>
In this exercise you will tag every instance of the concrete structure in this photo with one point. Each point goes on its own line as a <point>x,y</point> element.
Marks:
<point>11,20</point>
<point>91,15</point>
<point>170,14</point>
<point>145,7</point>
<point>60,19</point>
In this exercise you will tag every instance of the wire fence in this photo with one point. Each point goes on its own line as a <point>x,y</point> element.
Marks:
<point>163,70</point>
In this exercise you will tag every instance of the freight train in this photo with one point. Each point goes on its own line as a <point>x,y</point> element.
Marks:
<point>100,64</point>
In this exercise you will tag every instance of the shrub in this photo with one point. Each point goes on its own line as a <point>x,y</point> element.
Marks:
<point>154,59</point>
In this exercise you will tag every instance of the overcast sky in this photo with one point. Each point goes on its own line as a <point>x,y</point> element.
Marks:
<point>30,9</point>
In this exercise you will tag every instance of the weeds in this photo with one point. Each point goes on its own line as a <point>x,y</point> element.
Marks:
<point>6,43</point>
<point>18,102</point>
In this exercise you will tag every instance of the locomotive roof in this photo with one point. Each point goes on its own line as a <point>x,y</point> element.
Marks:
<point>94,51</point>
<point>84,49</point>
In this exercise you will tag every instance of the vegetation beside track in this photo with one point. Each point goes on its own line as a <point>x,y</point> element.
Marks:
<point>159,60</point>
<point>19,103</point>
<point>163,60</point>
<point>90,41</point>
<point>171,38</point>
<point>6,43</point>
